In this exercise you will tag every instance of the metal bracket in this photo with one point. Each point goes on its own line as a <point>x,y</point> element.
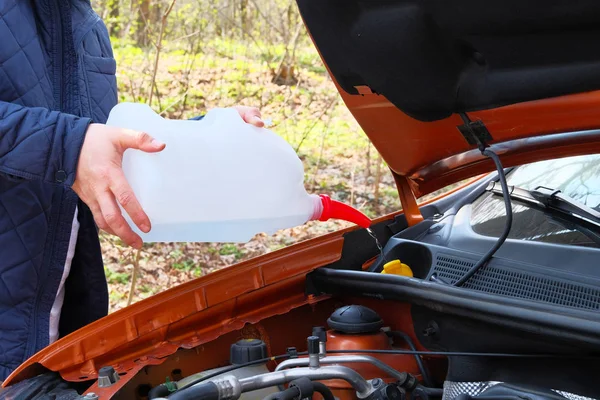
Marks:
<point>292,352</point>
<point>474,132</point>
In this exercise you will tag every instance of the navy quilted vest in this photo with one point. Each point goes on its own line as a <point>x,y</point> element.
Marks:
<point>57,74</point>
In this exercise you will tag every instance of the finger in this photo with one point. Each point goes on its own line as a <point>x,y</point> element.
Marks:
<point>252,116</point>
<point>131,139</point>
<point>107,229</point>
<point>99,219</point>
<point>125,196</point>
<point>114,219</point>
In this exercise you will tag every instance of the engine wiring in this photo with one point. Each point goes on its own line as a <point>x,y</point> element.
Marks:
<point>422,368</point>
<point>507,225</point>
<point>464,354</point>
<point>376,351</point>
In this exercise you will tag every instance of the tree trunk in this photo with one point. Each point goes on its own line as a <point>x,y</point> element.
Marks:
<point>377,181</point>
<point>368,168</point>
<point>156,12</point>
<point>142,19</point>
<point>244,17</point>
<point>113,16</point>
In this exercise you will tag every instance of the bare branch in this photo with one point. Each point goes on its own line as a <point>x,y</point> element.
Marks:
<point>158,48</point>
<point>136,269</point>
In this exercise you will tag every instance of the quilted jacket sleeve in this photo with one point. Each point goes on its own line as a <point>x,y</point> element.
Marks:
<point>36,143</point>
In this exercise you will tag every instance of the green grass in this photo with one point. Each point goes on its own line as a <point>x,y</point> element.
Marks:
<point>240,61</point>
<point>185,265</point>
<point>231,249</point>
<point>116,277</point>
<point>116,296</point>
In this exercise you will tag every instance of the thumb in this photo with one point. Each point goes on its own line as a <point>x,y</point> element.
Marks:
<point>252,116</point>
<point>141,141</point>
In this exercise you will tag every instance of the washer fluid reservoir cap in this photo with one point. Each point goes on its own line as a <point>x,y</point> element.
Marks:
<point>247,350</point>
<point>355,319</point>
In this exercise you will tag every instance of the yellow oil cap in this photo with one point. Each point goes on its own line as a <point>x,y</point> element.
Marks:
<point>395,267</point>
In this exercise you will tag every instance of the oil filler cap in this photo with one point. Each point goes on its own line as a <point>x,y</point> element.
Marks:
<point>247,350</point>
<point>355,319</point>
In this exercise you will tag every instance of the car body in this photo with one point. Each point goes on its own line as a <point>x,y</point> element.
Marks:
<point>432,84</point>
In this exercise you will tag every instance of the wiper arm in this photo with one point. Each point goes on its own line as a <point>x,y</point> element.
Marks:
<point>556,199</point>
<point>550,199</point>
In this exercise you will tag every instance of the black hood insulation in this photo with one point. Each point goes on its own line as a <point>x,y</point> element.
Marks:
<point>433,58</point>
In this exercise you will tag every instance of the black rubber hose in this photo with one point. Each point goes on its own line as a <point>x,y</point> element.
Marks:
<point>426,393</point>
<point>304,389</point>
<point>424,372</point>
<point>238,366</point>
<point>205,391</point>
<point>323,391</point>
<point>287,394</point>
<point>158,391</point>
<point>507,225</point>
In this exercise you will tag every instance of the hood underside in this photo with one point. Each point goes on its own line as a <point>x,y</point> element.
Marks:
<point>413,71</point>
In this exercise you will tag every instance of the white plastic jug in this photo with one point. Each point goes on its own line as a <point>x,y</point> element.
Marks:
<point>218,179</point>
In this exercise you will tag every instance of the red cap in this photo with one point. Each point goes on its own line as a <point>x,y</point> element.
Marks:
<point>337,210</point>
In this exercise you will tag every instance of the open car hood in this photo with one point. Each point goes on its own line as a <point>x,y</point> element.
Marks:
<point>422,77</point>
<point>525,75</point>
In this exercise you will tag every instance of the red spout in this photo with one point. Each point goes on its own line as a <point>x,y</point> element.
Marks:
<point>337,210</point>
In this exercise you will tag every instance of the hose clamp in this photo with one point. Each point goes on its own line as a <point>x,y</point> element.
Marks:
<point>229,388</point>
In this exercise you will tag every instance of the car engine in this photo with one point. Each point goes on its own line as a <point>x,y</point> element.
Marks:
<point>355,359</point>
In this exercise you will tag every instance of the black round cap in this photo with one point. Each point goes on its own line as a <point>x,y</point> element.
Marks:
<point>247,350</point>
<point>313,345</point>
<point>320,332</point>
<point>355,319</point>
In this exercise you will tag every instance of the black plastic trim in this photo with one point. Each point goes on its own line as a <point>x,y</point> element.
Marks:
<point>575,325</point>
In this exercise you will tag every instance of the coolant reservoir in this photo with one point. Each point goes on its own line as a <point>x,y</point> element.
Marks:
<point>218,179</point>
<point>356,327</point>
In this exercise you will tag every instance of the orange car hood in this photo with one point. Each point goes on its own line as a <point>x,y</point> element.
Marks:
<point>526,74</point>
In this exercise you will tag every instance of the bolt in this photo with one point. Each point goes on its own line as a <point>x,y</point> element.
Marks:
<point>91,396</point>
<point>377,382</point>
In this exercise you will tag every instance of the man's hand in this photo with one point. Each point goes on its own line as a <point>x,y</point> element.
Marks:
<point>250,115</point>
<point>100,182</point>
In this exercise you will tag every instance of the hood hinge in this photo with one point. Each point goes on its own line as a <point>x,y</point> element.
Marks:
<point>410,207</point>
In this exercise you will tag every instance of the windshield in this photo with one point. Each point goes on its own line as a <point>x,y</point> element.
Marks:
<point>577,177</point>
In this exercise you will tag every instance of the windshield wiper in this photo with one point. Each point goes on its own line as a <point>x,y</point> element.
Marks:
<point>549,199</point>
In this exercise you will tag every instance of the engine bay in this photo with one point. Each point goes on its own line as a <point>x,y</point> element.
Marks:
<point>357,354</point>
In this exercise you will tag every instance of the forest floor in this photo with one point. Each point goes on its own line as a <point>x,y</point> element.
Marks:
<point>337,156</point>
